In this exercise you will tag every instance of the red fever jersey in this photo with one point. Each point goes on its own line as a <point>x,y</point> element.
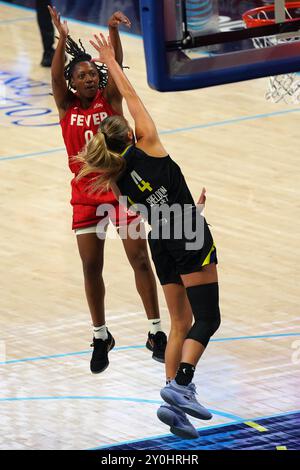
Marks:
<point>78,127</point>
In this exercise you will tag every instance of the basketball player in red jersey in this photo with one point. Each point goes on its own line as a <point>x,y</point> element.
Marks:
<point>80,114</point>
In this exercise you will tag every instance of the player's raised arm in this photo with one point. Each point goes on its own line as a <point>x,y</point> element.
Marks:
<point>145,128</point>
<point>59,84</point>
<point>111,92</point>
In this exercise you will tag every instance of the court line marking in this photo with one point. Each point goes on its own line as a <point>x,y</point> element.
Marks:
<point>230,121</point>
<point>256,426</point>
<point>205,428</point>
<point>174,131</point>
<point>160,436</point>
<point>223,414</point>
<point>76,353</point>
<point>105,398</point>
<point>34,154</point>
<point>127,348</point>
<point>78,397</point>
<point>237,419</point>
<point>268,336</point>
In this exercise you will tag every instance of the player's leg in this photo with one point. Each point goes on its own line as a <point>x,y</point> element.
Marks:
<point>132,232</point>
<point>137,254</point>
<point>203,294</point>
<point>91,250</point>
<point>181,321</point>
<point>46,30</point>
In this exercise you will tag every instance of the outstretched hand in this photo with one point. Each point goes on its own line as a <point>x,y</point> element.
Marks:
<point>62,28</point>
<point>104,47</point>
<point>118,18</point>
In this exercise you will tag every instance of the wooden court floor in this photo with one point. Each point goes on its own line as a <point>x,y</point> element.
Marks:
<point>245,151</point>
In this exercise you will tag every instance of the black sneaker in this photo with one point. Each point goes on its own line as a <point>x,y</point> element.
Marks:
<point>99,360</point>
<point>157,343</point>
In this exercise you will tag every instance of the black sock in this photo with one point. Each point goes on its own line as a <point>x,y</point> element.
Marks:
<point>185,374</point>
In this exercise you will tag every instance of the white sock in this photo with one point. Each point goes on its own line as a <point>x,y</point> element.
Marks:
<point>100,332</point>
<point>155,325</point>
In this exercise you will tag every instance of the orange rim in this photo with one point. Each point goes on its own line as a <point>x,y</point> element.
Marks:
<point>251,19</point>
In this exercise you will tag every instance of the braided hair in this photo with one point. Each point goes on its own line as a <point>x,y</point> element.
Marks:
<point>79,54</point>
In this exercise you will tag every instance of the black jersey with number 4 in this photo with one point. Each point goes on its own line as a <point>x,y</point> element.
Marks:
<point>153,181</point>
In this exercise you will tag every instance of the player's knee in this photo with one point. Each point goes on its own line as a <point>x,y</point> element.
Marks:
<point>204,300</point>
<point>203,330</point>
<point>181,327</point>
<point>140,261</point>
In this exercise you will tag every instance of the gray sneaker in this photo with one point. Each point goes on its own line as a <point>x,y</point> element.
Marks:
<point>178,422</point>
<point>183,396</point>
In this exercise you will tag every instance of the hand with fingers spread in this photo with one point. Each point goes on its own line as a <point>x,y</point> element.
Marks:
<point>117,19</point>
<point>104,47</point>
<point>62,28</point>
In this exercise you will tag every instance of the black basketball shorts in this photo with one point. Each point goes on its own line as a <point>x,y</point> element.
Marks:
<point>173,257</point>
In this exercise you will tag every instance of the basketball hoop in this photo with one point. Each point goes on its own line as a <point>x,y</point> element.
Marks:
<point>280,87</point>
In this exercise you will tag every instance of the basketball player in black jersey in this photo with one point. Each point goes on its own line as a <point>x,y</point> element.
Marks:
<point>186,264</point>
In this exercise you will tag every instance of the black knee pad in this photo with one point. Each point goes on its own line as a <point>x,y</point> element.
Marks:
<point>204,300</point>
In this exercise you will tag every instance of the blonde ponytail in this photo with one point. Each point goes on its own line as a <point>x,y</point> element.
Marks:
<point>102,153</point>
<point>97,158</point>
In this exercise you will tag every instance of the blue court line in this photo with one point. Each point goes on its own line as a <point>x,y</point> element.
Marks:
<point>175,131</point>
<point>128,348</point>
<point>205,428</point>
<point>226,415</point>
<point>104,398</point>
<point>230,121</point>
<point>238,338</point>
<point>76,397</point>
<point>161,436</point>
<point>76,353</point>
<point>275,415</point>
<point>35,154</point>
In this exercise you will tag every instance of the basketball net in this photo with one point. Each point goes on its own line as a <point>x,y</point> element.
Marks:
<point>285,87</point>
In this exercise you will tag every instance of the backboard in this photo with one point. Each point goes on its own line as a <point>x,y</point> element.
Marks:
<point>199,43</point>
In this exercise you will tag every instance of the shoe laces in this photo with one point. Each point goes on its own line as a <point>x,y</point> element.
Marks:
<point>96,343</point>
<point>193,391</point>
<point>192,388</point>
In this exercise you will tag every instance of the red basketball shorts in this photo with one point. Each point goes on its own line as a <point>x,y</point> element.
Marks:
<point>86,207</point>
